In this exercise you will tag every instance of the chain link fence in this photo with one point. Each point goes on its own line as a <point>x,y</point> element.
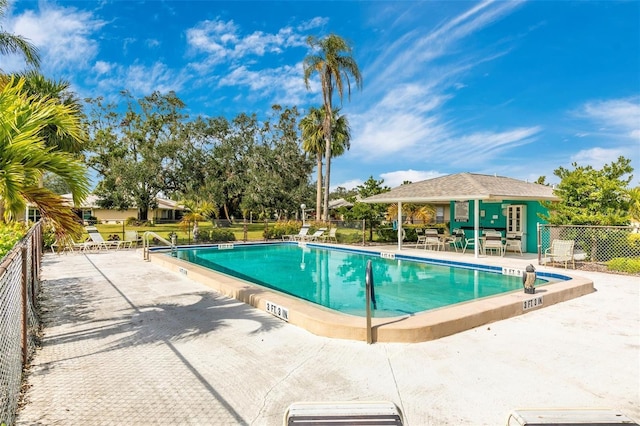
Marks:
<point>19,324</point>
<point>593,245</point>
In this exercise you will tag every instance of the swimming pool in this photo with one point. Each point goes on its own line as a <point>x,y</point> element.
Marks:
<point>335,279</point>
<point>405,327</point>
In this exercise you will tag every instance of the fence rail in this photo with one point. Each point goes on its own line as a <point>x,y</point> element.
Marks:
<point>19,323</point>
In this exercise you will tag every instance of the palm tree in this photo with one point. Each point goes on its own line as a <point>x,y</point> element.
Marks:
<point>10,43</point>
<point>38,85</point>
<point>24,156</point>
<point>313,141</point>
<point>334,64</point>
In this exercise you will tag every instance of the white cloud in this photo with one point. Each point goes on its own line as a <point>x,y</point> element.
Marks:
<point>102,67</point>
<point>417,49</point>
<point>138,79</point>
<point>350,184</point>
<point>316,22</point>
<point>621,116</point>
<point>223,42</point>
<point>63,35</point>
<point>475,149</point>
<point>283,84</point>
<point>394,179</point>
<point>596,157</point>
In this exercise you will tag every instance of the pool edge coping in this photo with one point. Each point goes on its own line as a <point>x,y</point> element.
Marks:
<point>420,327</point>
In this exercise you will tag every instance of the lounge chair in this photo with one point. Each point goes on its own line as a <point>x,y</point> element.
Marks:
<point>314,236</point>
<point>295,237</point>
<point>513,242</point>
<point>67,244</point>
<point>331,237</point>
<point>97,238</point>
<point>343,413</point>
<point>560,251</point>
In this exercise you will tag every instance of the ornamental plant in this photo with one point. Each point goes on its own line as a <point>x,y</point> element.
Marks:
<point>10,235</point>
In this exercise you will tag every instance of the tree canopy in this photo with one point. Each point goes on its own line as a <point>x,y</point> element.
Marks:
<point>372,213</point>
<point>592,197</point>
<point>231,166</point>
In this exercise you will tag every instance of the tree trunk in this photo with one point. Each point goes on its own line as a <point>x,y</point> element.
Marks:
<point>143,214</point>
<point>327,175</point>
<point>226,212</point>
<point>319,187</point>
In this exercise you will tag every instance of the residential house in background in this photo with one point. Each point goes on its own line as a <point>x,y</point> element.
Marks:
<point>167,211</point>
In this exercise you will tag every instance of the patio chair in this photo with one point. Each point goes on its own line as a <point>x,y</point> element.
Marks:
<point>493,242</point>
<point>513,242</point>
<point>331,237</point>
<point>432,239</point>
<point>456,240</point>
<point>295,237</point>
<point>131,238</point>
<point>314,236</point>
<point>560,251</point>
<point>97,238</point>
<point>343,413</point>
<point>469,243</point>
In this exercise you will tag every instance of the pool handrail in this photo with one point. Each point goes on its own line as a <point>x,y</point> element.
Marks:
<point>145,243</point>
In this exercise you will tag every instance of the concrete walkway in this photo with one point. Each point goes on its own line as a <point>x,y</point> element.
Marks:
<point>127,342</point>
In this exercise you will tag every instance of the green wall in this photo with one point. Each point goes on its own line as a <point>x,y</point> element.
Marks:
<point>494,218</point>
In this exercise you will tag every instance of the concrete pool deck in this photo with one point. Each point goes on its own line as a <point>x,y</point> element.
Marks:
<point>129,342</point>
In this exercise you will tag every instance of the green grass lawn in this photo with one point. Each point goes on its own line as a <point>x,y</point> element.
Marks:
<point>185,234</point>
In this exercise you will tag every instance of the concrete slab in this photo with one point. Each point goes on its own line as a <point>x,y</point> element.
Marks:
<point>128,342</point>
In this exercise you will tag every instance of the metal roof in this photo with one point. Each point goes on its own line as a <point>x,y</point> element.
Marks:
<point>465,186</point>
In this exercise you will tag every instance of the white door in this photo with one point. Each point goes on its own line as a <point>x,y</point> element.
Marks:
<point>517,221</point>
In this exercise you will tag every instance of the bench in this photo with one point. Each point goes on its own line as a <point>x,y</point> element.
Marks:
<point>569,417</point>
<point>343,413</point>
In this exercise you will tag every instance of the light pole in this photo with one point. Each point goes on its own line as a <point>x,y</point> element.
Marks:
<point>302,207</point>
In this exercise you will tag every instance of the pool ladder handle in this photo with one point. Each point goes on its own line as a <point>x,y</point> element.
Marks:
<point>145,243</point>
<point>370,297</point>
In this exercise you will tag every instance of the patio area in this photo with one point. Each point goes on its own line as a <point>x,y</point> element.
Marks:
<point>127,341</point>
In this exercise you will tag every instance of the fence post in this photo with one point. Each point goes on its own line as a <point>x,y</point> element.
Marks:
<point>539,243</point>
<point>25,348</point>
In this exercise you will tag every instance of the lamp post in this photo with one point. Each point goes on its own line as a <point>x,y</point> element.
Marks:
<point>302,207</point>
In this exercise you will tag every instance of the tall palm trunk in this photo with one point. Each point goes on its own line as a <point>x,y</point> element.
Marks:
<point>327,155</point>
<point>319,186</point>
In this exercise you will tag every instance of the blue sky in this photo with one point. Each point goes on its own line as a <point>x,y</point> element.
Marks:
<point>511,88</point>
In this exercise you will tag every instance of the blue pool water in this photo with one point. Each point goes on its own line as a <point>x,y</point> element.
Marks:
<point>336,278</point>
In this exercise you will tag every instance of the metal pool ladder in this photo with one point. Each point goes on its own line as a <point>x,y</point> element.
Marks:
<point>145,243</point>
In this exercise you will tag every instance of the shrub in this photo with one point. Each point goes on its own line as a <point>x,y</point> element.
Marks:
<point>221,235</point>
<point>48,237</point>
<point>282,228</point>
<point>10,234</point>
<point>630,265</point>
